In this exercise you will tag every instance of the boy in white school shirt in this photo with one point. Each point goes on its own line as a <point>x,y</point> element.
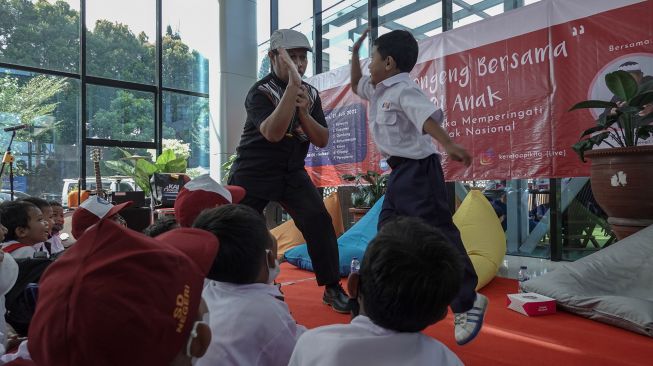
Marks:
<point>403,122</point>
<point>408,276</point>
<point>251,322</point>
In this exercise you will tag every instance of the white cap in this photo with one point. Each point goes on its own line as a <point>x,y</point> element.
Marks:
<point>289,39</point>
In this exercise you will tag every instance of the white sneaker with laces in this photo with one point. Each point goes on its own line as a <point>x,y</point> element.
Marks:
<point>467,325</point>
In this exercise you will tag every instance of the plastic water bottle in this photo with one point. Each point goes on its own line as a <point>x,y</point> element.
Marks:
<point>522,277</point>
<point>355,265</point>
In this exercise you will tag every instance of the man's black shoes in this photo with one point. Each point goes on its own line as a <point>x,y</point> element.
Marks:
<point>335,296</point>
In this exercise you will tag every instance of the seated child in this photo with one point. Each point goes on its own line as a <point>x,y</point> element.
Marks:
<point>26,227</point>
<point>120,298</point>
<point>57,215</point>
<point>94,209</point>
<point>252,323</point>
<point>48,216</point>
<point>408,277</point>
<point>203,193</point>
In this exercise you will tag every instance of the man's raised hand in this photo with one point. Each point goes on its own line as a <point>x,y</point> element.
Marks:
<point>293,75</point>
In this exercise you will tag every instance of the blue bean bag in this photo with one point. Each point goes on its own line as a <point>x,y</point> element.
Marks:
<point>351,244</point>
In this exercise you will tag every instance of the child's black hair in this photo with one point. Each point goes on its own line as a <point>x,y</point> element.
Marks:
<point>409,275</point>
<point>401,46</point>
<point>55,204</point>
<point>243,238</point>
<point>38,202</point>
<point>15,214</point>
<point>161,226</point>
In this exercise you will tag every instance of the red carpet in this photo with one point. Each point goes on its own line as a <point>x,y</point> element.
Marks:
<point>507,338</point>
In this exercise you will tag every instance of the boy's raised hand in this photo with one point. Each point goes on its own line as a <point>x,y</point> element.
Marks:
<point>293,75</point>
<point>360,40</point>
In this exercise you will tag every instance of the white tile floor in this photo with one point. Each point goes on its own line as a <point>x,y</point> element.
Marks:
<point>536,266</point>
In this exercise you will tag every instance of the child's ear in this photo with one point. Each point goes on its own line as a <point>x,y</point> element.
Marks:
<point>390,63</point>
<point>352,285</point>
<point>20,232</point>
<point>269,256</point>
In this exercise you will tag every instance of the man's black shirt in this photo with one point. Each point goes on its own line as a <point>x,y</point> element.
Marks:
<point>263,167</point>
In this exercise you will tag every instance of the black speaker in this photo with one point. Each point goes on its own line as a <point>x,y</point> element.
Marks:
<point>138,197</point>
<point>138,218</point>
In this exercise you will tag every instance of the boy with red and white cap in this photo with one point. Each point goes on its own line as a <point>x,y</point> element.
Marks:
<point>121,298</point>
<point>94,209</point>
<point>203,193</point>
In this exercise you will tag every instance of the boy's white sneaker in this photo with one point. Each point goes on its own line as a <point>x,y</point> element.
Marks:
<point>468,324</point>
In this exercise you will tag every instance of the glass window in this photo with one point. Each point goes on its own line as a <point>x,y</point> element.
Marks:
<point>190,40</point>
<point>262,21</point>
<point>293,12</point>
<point>585,227</point>
<point>43,34</point>
<point>108,158</point>
<point>342,24</point>
<point>186,129</point>
<point>263,37</point>
<point>422,18</point>
<point>119,114</point>
<point>121,44</point>
<point>46,152</point>
<point>263,60</point>
<point>471,11</point>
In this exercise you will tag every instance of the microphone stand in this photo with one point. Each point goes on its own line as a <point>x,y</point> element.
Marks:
<point>9,159</point>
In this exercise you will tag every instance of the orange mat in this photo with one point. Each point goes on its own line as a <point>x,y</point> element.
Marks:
<point>507,338</point>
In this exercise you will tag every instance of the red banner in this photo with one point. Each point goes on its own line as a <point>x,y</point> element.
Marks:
<point>506,85</point>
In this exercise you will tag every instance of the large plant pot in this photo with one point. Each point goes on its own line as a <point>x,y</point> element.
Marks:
<point>622,182</point>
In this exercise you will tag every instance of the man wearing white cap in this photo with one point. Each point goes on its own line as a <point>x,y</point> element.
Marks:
<point>284,116</point>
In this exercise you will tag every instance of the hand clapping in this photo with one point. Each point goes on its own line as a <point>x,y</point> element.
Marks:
<point>293,75</point>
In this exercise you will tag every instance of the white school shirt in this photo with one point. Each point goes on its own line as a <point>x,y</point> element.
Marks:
<point>249,325</point>
<point>24,252</point>
<point>21,353</point>
<point>56,245</point>
<point>364,343</point>
<point>398,109</point>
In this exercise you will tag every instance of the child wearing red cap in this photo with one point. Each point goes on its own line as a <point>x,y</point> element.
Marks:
<point>203,193</point>
<point>121,298</point>
<point>254,322</point>
<point>91,211</point>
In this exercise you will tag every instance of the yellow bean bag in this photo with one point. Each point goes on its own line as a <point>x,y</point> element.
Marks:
<point>482,235</point>
<point>288,235</point>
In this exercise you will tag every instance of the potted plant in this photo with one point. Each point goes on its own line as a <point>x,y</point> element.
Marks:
<point>142,170</point>
<point>621,174</point>
<point>370,187</point>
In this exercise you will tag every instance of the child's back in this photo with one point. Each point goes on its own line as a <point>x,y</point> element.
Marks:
<point>408,276</point>
<point>251,322</point>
